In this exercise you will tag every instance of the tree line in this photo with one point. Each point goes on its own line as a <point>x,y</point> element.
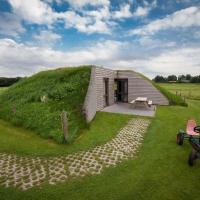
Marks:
<point>180,79</point>
<point>5,82</point>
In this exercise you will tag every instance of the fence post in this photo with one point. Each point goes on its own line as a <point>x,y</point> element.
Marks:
<point>190,93</point>
<point>64,122</point>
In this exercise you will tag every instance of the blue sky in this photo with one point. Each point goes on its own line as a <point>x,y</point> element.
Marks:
<point>149,36</point>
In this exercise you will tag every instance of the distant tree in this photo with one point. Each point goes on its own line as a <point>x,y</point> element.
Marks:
<point>188,77</point>
<point>181,78</point>
<point>172,78</point>
<point>195,79</point>
<point>4,82</point>
<point>159,79</point>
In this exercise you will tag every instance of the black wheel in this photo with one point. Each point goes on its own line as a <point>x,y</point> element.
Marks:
<point>179,138</point>
<point>192,157</point>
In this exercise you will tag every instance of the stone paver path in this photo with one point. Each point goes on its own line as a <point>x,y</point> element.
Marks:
<point>26,172</point>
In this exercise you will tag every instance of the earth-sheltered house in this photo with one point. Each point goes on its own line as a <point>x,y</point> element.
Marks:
<point>109,86</point>
<point>37,102</point>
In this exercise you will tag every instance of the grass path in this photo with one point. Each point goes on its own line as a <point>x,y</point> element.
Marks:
<point>160,170</point>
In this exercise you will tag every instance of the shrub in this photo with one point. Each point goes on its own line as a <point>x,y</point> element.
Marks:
<point>5,82</point>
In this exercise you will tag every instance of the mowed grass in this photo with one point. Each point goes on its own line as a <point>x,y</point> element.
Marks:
<point>189,90</point>
<point>160,170</point>
<point>21,141</point>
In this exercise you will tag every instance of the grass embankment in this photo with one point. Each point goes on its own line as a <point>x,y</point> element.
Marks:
<point>24,142</point>
<point>188,90</point>
<point>160,170</point>
<point>36,103</point>
<point>173,99</point>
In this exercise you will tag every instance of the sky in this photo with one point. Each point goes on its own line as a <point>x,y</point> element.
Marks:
<point>154,37</point>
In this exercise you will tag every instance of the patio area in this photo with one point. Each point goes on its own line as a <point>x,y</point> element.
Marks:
<point>126,108</point>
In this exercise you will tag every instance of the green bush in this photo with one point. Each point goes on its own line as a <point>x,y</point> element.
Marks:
<point>36,103</point>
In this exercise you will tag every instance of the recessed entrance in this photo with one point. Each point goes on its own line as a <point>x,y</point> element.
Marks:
<point>121,90</point>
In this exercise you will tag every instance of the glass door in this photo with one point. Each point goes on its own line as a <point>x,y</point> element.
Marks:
<point>121,90</point>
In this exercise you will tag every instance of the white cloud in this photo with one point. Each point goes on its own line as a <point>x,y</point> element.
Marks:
<point>108,53</point>
<point>46,38</point>
<point>13,63</point>
<point>99,26</point>
<point>180,19</point>
<point>124,12</point>
<point>10,25</point>
<point>144,11</point>
<point>39,12</point>
<point>100,13</point>
<point>178,61</point>
<point>98,20</point>
<point>82,3</point>
<point>150,43</point>
<point>84,24</point>
<point>34,11</point>
<point>140,11</point>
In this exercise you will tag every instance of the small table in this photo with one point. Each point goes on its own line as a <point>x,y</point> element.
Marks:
<point>141,102</point>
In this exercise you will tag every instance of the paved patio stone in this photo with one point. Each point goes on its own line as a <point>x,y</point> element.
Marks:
<point>126,108</point>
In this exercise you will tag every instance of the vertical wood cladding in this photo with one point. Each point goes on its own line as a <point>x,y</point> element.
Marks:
<point>137,87</point>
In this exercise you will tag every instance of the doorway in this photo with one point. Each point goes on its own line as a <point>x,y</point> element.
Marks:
<point>121,90</point>
<point>106,91</point>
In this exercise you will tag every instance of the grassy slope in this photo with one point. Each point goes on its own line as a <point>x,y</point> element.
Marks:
<point>64,88</point>
<point>160,170</point>
<point>189,90</point>
<point>173,99</point>
<point>22,141</point>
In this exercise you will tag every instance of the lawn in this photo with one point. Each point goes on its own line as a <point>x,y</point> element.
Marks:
<point>21,141</point>
<point>189,90</point>
<point>159,171</point>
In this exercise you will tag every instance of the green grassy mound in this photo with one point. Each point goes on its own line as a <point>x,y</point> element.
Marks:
<point>36,103</point>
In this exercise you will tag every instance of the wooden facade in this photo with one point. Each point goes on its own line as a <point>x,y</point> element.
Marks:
<point>102,86</point>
